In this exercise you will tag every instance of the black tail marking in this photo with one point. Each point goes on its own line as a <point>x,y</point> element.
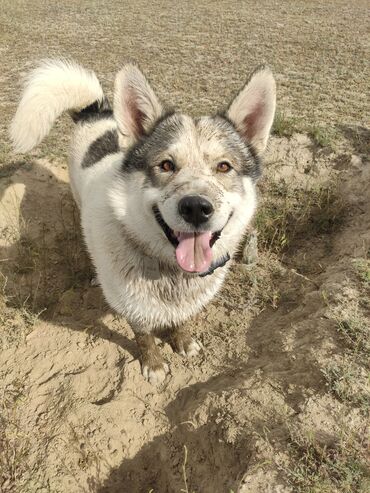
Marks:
<point>95,111</point>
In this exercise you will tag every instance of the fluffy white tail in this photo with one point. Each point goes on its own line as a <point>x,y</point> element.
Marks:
<point>53,87</point>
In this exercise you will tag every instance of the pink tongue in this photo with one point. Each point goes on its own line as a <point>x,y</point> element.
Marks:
<point>193,252</point>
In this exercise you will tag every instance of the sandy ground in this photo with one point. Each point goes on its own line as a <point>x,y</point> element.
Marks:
<point>279,399</point>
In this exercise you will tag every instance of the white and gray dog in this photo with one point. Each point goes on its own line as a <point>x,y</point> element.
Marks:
<point>164,198</point>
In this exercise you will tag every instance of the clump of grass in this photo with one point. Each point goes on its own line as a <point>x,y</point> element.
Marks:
<point>348,376</point>
<point>286,213</point>
<point>28,256</point>
<point>284,126</point>
<point>15,445</point>
<point>264,280</point>
<point>362,267</point>
<point>348,382</point>
<point>353,327</point>
<point>20,462</point>
<point>355,330</point>
<point>17,318</point>
<point>321,136</point>
<point>317,467</point>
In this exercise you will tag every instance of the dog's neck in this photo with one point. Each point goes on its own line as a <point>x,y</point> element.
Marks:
<point>152,268</point>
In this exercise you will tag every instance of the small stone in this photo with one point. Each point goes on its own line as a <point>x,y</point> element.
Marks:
<point>356,161</point>
<point>69,302</point>
<point>250,251</point>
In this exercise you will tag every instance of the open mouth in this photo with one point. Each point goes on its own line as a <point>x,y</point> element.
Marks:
<point>193,250</point>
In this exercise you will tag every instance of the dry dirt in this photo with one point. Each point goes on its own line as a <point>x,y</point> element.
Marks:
<point>279,400</point>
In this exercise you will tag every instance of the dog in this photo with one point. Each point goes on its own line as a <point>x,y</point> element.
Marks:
<point>164,198</point>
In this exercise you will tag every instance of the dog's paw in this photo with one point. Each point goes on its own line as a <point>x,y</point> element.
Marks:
<point>192,349</point>
<point>153,366</point>
<point>184,344</point>
<point>155,374</point>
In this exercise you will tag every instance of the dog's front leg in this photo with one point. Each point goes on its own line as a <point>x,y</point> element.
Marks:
<point>153,366</point>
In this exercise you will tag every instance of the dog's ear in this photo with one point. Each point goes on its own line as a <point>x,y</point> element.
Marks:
<point>252,111</point>
<point>136,107</point>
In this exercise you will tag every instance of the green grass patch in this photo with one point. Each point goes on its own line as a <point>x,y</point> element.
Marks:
<point>321,136</point>
<point>284,126</point>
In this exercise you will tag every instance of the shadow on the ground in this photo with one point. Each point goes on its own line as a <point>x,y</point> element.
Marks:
<point>358,137</point>
<point>215,465</point>
<point>44,256</point>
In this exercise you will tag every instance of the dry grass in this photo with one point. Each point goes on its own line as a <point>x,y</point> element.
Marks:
<point>263,280</point>
<point>348,376</point>
<point>355,331</point>
<point>19,463</point>
<point>349,382</point>
<point>341,466</point>
<point>17,317</point>
<point>287,213</point>
<point>362,267</point>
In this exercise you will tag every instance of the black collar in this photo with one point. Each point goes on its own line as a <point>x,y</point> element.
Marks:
<point>215,265</point>
<point>151,267</point>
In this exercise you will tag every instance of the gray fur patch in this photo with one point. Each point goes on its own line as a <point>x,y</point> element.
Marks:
<point>161,136</point>
<point>249,163</point>
<point>101,147</point>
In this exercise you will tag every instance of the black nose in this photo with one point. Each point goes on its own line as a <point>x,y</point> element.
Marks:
<point>195,209</point>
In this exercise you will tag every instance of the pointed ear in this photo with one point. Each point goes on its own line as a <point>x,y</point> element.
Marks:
<point>136,107</point>
<point>252,111</point>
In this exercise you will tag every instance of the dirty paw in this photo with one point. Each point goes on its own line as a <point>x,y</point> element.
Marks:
<point>185,345</point>
<point>155,374</point>
<point>193,348</point>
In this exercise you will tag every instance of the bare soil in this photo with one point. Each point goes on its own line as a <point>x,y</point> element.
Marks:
<point>279,399</point>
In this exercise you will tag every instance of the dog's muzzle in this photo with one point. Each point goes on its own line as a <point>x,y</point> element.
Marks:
<point>193,250</point>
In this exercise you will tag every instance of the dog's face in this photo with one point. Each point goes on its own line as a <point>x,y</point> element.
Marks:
<point>187,191</point>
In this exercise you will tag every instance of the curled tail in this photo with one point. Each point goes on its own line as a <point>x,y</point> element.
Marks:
<point>53,87</point>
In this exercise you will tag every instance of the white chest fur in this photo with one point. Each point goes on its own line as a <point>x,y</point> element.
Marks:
<point>148,294</point>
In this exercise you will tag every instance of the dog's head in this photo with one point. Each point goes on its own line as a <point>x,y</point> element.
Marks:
<point>186,187</point>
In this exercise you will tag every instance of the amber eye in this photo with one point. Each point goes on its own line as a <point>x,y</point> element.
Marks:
<point>224,167</point>
<point>167,165</point>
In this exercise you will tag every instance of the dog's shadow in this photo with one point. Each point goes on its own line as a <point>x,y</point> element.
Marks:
<point>44,266</point>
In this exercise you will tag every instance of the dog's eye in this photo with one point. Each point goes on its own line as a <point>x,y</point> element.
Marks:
<point>167,165</point>
<point>224,167</point>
